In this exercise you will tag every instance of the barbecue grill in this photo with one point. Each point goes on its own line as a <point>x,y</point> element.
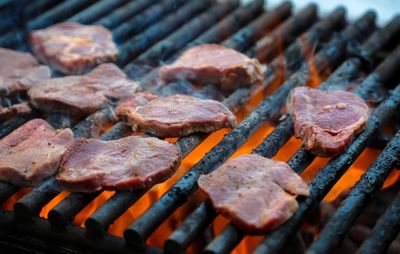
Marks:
<point>301,48</point>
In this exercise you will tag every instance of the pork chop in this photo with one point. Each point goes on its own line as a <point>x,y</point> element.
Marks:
<point>19,71</point>
<point>180,115</point>
<point>256,193</point>
<point>32,153</point>
<point>216,64</point>
<point>129,163</point>
<point>72,48</point>
<point>85,94</point>
<point>326,121</point>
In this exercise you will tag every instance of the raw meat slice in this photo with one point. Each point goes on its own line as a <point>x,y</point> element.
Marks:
<point>326,121</point>
<point>180,115</point>
<point>138,99</point>
<point>129,163</point>
<point>32,153</point>
<point>85,94</point>
<point>256,193</point>
<point>72,48</point>
<point>216,64</point>
<point>19,71</point>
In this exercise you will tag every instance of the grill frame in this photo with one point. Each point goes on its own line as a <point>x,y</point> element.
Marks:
<point>28,208</point>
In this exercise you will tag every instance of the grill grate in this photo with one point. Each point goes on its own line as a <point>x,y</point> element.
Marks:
<point>150,33</point>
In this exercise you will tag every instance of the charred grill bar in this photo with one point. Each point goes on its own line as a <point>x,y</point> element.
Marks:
<point>142,25</point>
<point>351,208</point>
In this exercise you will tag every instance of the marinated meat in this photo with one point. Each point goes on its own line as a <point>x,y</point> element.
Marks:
<point>216,64</point>
<point>83,94</point>
<point>129,163</point>
<point>138,99</point>
<point>19,71</point>
<point>32,153</point>
<point>72,48</point>
<point>180,115</point>
<point>19,109</point>
<point>256,193</point>
<point>326,121</point>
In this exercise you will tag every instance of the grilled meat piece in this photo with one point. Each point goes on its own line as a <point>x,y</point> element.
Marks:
<point>129,163</point>
<point>180,115</point>
<point>32,153</point>
<point>256,193</point>
<point>85,94</point>
<point>138,99</point>
<point>72,48</point>
<point>326,121</point>
<point>216,64</point>
<point>19,109</point>
<point>19,71</point>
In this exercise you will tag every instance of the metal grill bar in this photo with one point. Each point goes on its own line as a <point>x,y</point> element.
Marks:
<point>331,55</point>
<point>258,28</point>
<point>181,238</point>
<point>329,174</point>
<point>73,235</point>
<point>148,17</point>
<point>136,45</point>
<point>387,227</point>
<point>64,212</point>
<point>6,190</point>
<point>34,8</point>
<point>58,13</point>
<point>239,18</point>
<point>371,182</point>
<point>84,129</point>
<point>123,13</point>
<point>96,11</point>
<point>269,46</point>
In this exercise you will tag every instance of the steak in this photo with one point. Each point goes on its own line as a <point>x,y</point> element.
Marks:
<point>19,71</point>
<point>32,153</point>
<point>72,48</point>
<point>326,121</point>
<point>85,94</point>
<point>216,64</point>
<point>180,115</point>
<point>129,163</point>
<point>256,193</point>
